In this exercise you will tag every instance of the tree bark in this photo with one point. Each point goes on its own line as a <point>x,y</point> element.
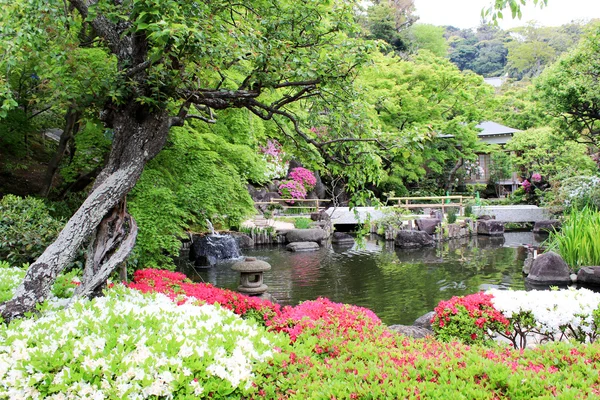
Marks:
<point>139,136</point>
<point>453,171</point>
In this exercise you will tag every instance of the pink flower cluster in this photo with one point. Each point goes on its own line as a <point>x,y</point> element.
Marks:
<point>305,177</point>
<point>479,306</point>
<point>292,190</point>
<point>526,185</point>
<point>536,177</point>
<point>272,148</point>
<point>328,317</point>
<point>176,284</point>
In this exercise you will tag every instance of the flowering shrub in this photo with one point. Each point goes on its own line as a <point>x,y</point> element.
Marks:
<point>469,318</point>
<point>131,345</point>
<point>555,314</point>
<point>177,286</point>
<point>326,317</point>
<point>292,190</point>
<point>526,185</point>
<point>305,177</point>
<point>273,155</point>
<point>580,191</point>
<point>536,177</point>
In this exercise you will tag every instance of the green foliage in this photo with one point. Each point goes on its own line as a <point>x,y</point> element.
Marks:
<point>414,100</point>
<point>578,241</point>
<point>542,151</point>
<point>198,176</point>
<point>26,228</point>
<point>451,215</point>
<point>92,143</point>
<point>569,89</point>
<point>429,37</point>
<point>302,223</point>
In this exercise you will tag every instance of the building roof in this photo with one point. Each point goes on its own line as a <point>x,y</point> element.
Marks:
<point>489,128</point>
<point>494,128</point>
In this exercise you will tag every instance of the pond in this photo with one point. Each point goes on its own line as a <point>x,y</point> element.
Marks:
<point>398,285</point>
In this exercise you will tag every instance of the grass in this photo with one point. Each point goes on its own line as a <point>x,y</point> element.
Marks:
<point>578,241</point>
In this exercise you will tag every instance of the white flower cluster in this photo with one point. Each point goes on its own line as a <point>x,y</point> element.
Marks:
<point>130,345</point>
<point>10,278</point>
<point>554,311</point>
<point>580,187</point>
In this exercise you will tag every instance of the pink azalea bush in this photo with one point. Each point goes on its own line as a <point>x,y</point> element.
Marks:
<point>470,318</point>
<point>305,177</point>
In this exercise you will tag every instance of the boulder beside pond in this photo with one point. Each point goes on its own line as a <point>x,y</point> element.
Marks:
<point>306,235</point>
<point>547,226</point>
<point>589,275</point>
<point>428,225</point>
<point>413,239</point>
<point>549,269</point>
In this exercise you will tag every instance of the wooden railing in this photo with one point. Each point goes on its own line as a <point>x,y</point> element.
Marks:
<point>317,203</point>
<point>443,202</point>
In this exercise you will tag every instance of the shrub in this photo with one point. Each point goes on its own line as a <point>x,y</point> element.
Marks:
<point>470,319</point>
<point>177,286</point>
<point>302,223</point>
<point>131,345</point>
<point>291,189</point>
<point>578,241</point>
<point>580,191</point>
<point>26,229</point>
<point>451,215</point>
<point>304,177</point>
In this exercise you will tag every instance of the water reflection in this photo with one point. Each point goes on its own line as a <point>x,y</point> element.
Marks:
<point>398,285</point>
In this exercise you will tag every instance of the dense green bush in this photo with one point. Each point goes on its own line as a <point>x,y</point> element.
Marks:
<point>199,176</point>
<point>26,228</point>
<point>302,223</point>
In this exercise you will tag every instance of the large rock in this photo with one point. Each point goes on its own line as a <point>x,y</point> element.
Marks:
<point>244,241</point>
<point>548,226</point>
<point>589,275</point>
<point>490,227</point>
<point>413,239</point>
<point>342,238</point>
<point>428,225</point>
<point>549,269</point>
<point>302,246</point>
<point>416,332</point>
<point>320,216</point>
<point>306,235</point>
<point>424,321</point>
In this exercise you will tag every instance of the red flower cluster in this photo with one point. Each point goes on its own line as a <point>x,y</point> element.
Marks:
<point>469,318</point>
<point>175,284</point>
<point>327,316</point>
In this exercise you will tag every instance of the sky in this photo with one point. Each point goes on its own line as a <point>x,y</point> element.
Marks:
<point>467,13</point>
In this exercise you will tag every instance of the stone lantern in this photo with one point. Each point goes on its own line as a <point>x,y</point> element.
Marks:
<point>251,276</point>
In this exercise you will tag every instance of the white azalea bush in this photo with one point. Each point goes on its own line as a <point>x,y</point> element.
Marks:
<point>554,314</point>
<point>9,280</point>
<point>131,345</point>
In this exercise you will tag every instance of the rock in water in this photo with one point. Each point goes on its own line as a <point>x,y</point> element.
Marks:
<point>549,269</point>
<point>207,250</point>
<point>413,239</point>
<point>490,227</point>
<point>306,235</point>
<point>342,238</point>
<point>302,246</point>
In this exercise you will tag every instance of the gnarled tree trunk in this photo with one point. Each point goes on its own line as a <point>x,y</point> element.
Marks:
<point>139,136</point>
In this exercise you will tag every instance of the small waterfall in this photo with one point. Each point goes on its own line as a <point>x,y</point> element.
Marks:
<point>211,228</point>
<point>207,250</point>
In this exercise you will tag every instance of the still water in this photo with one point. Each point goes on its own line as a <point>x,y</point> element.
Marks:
<point>398,285</point>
